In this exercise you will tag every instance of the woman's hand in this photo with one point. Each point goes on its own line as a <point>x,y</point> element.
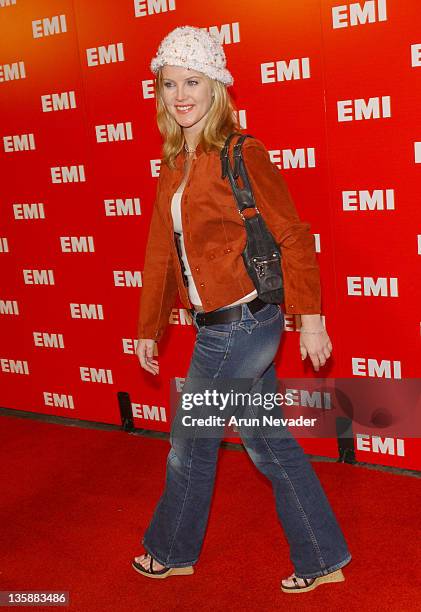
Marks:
<point>145,349</point>
<point>314,341</point>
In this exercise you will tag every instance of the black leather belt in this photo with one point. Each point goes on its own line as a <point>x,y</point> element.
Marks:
<point>226,316</point>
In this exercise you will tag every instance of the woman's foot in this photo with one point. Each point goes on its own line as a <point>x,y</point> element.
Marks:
<point>289,582</point>
<point>145,559</point>
<point>293,584</point>
<point>147,566</point>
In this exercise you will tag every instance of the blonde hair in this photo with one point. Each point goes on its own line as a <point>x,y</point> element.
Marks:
<point>221,121</point>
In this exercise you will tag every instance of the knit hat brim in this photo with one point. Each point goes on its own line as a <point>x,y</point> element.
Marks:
<point>219,74</point>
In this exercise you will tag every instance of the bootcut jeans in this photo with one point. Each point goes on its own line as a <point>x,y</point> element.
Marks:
<point>243,349</point>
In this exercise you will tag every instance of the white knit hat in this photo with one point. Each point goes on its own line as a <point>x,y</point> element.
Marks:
<point>193,48</point>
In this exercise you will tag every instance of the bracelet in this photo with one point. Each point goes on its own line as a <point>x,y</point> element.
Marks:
<point>304,331</point>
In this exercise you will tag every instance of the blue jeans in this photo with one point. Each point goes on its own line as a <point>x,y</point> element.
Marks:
<point>245,349</point>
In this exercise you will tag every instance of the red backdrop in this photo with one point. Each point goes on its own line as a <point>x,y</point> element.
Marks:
<point>333,91</point>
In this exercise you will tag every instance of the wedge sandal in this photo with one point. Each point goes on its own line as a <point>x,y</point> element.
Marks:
<point>150,572</point>
<point>311,583</point>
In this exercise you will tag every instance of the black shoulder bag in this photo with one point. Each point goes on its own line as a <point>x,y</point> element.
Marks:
<point>261,255</point>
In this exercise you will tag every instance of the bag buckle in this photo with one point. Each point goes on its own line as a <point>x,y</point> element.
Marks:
<point>246,218</point>
<point>260,264</point>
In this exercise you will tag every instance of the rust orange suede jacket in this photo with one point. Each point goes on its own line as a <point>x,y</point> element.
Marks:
<point>215,237</point>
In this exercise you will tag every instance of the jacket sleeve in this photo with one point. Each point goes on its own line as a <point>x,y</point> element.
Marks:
<point>159,283</point>
<point>298,258</point>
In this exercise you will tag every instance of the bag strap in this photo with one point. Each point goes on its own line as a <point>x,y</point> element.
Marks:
<point>243,196</point>
<point>224,155</point>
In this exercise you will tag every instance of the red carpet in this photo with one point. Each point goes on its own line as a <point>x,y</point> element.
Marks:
<point>75,503</point>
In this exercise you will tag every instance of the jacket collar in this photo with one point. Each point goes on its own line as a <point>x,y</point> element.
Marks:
<point>199,149</point>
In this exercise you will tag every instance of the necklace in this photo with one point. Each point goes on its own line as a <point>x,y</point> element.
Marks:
<point>187,148</point>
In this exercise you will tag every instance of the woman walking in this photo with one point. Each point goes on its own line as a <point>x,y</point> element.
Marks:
<point>194,247</point>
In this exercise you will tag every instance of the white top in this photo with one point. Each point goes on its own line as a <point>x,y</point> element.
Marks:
<point>177,223</point>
